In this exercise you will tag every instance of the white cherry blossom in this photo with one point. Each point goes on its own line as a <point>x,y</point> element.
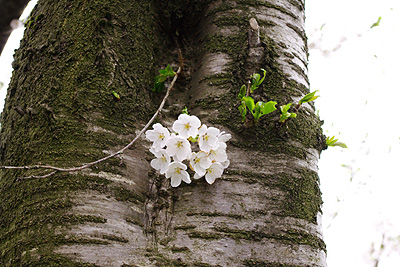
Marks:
<point>177,172</point>
<point>224,137</point>
<point>187,126</point>
<point>209,162</point>
<point>225,164</point>
<point>179,148</point>
<point>200,162</point>
<point>218,154</point>
<point>208,138</point>
<point>158,136</point>
<point>162,161</point>
<point>215,171</point>
<point>197,175</point>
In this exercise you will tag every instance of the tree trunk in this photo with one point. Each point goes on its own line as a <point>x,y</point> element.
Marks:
<point>60,110</point>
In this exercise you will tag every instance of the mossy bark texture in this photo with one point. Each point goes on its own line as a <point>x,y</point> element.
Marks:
<point>60,110</point>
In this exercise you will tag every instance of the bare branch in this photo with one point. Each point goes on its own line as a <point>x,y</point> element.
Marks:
<point>72,169</point>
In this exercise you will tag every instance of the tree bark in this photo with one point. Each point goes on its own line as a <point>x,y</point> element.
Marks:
<point>60,110</point>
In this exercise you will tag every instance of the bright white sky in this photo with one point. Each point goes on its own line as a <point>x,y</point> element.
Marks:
<point>359,89</point>
<point>6,57</point>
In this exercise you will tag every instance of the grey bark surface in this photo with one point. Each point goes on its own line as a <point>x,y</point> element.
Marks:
<point>265,209</point>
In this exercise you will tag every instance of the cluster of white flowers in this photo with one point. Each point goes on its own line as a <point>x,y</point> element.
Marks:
<point>210,161</point>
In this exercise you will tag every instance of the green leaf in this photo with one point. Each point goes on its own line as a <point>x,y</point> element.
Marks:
<point>342,145</point>
<point>285,114</point>
<point>257,113</point>
<point>284,117</point>
<point>285,108</point>
<point>376,23</point>
<point>331,141</point>
<point>255,78</point>
<point>169,71</point>
<point>243,110</point>
<point>249,103</point>
<point>116,95</point>
<point>165,73</point>
<point>268,107</point>
<point>253,88</point>
<point>308,98</point>
<point>158,87</point>
<point>264,73</point>
<point>242,92</point>
<point>185,111</point>
<point>161,78</point>
<point>168,68</point>
<point>262,109</point>
<point>193,140</point>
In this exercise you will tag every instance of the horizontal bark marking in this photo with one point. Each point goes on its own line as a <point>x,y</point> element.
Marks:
<point>299,32</point>
<point>287,237</point>
<point>268,5</point>
<point>257,263</point>
<point>297,69</point>
<point>292,236</point>
<point>216,214</point>
<point>303,197</point>
<point>297,3</point>
<point>231,45</point>
<point>164,261</point>
<point>185,227</point>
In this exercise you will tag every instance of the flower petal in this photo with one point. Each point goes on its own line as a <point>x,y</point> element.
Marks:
<point>210,179</point>
<point>215,171</point>
<point>178,147</point>
<point>186,126</point>
<point>175,181</point>
<point>197,176</point>
<point>185,177</point>
<point>223,137</point>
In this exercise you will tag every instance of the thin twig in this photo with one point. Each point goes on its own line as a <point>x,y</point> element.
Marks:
<point>248,87</point>
<point>36,176</point>
<point>72,169</point>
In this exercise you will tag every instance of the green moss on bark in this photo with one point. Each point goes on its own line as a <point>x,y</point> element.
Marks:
<point>35,208</point>
<point>304,199</point>
<point>216,214</point>
<point>69,64</point>
<point>303,196</point>
<point>267,134</point>
<point>289,237</point>
<point>55,260</point>
<point>60,111</point>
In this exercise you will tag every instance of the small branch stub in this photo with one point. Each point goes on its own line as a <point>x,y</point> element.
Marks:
<point>254,34</point>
